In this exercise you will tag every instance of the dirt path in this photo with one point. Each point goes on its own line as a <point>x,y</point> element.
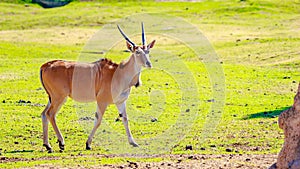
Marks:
<point>192,161</point>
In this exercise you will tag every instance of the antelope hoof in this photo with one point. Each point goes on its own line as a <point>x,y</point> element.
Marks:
<point>49,149</point>
<point>134,144</point>
<point>87,146</point>
<point>61,146</point>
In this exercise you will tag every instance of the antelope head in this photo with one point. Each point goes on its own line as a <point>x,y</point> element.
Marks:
<point>140,53</point>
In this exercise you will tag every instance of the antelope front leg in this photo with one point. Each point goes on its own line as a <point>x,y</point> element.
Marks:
<point>122,111</point>
<point>98,118</point>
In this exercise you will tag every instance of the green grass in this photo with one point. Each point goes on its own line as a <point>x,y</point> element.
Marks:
<point>256,41</point>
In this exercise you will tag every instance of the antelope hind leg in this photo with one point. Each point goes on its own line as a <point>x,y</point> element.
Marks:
<point>51,115</point>
<point>45,123</point>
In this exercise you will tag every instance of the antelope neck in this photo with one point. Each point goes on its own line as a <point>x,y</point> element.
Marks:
<point>130,69</point>
<point>132,64</point>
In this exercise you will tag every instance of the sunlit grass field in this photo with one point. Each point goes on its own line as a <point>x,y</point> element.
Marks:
<point>257,43</point>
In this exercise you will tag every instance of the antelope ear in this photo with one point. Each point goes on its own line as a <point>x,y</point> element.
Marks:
<point>150,45</point>
<point>129,46</point>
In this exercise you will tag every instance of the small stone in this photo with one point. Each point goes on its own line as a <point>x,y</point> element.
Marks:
<point>202,148</point>
<point>187,110</point>
<point>229,150</point>
<point>188,147</point>
<point>154,119</point>
<point>133,164</point>
<point>21,101</point>
<point>211,100</point>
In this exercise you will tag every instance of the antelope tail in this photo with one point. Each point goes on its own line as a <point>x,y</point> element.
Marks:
<point>41,79</point>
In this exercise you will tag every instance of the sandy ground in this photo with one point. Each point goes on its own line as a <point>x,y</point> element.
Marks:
<point>192,161</point>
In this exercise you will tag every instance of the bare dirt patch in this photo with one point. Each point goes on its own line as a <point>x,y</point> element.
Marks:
<point>189,161</point>
<point>56,35</point>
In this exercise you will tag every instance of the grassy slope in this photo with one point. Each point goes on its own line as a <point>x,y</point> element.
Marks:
<point>257,42</point>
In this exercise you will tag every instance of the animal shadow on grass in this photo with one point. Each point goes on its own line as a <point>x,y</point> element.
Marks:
<point>266,114</point>
<point>20,151</point>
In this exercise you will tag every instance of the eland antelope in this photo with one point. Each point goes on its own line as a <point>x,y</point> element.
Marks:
<point>102,81</point>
